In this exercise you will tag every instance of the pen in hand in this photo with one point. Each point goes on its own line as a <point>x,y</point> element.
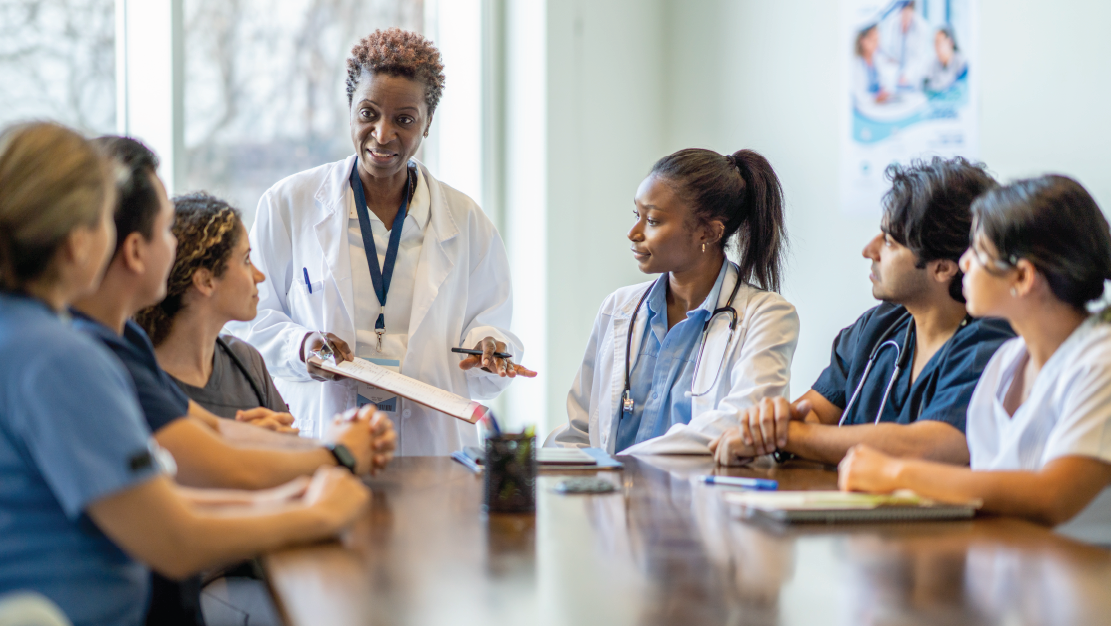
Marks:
<point>497,355</point>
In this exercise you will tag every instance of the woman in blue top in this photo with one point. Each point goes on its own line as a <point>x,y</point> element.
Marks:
<point>85,501</point>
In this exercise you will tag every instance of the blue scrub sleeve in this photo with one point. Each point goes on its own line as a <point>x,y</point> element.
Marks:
<point>967,359</point>
<point>79,422</point>
<point>832,382</point>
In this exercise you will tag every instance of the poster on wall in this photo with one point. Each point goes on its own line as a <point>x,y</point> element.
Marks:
<point>910,90</point>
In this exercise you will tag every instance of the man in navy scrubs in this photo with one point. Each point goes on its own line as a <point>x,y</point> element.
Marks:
<point>917,409</point>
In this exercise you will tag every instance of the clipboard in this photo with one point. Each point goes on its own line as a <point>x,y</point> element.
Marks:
<point>409,388</point>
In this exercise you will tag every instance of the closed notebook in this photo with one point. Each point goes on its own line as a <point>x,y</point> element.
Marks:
<point>840,506</point>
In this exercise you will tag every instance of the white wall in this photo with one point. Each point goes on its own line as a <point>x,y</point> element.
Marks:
<point>630,81</point>
<point>763,75</point>
<point>604,133</point>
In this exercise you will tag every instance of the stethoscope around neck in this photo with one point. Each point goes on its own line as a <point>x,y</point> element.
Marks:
<point>627,395</point>
<point>902,359</point>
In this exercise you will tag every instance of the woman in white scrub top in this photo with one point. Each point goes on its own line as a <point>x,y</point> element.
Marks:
<point>385,263</point>
<point>1039,423</point>
<point>673,362</point>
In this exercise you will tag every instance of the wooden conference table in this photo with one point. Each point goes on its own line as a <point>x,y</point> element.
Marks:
<point>664,550</point>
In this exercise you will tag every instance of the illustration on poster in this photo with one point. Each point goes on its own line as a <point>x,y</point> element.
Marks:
<point>910,89</point>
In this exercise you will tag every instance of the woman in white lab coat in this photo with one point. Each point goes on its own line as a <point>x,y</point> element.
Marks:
<point>673,362</point>
<point>383,262</point>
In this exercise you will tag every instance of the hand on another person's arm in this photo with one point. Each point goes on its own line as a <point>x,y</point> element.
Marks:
<point>268,419</point>
<point>313,342</point>
<point>490,363</point>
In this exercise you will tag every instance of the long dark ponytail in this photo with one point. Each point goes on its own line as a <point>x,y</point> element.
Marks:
<point>741,191</point>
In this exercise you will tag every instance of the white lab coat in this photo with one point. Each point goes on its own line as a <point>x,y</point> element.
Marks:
<point>461,294</point>
<point>757,365</point>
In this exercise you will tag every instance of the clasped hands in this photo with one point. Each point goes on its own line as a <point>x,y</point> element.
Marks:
<point>763,429</point>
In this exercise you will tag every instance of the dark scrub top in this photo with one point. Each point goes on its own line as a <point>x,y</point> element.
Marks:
<point>71,434</point>
<point>159,396</point>
<point>943,388</point>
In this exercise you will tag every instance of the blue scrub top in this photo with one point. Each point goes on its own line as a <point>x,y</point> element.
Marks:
<point>160,397</point>
<point>71,433</point>
<point>943,388</point>
<point>664,367</point>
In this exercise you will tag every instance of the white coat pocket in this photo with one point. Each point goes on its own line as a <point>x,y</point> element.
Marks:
<point>306,302</point>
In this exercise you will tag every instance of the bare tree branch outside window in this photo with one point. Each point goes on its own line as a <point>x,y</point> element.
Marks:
<point>58,62</point>
<point>264,87</point>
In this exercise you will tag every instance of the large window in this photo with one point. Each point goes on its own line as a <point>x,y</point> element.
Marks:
<point>58,61</point>
<point>264,89</point>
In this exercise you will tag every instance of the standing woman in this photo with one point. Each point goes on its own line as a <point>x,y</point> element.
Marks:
<point>672,363</point>
<point>1039,422</point>
<point>378,258</point>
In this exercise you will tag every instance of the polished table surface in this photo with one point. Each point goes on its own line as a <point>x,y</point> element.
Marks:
<point>665,550</point>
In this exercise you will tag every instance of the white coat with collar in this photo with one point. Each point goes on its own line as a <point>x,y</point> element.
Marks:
<point>461,294</point>
<point>757,365</point>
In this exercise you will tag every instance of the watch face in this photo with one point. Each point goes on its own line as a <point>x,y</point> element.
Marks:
<point>344,456</point>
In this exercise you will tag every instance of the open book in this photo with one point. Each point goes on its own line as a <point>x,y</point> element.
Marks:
<point>409,388</point>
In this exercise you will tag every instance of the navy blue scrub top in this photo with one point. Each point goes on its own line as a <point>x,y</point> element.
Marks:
<point>943,388</point>
<point>159,396</point>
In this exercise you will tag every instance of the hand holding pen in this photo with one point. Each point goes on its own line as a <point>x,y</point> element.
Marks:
<point>491,356</point>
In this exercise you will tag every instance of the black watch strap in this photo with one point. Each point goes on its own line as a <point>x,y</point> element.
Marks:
<point>343,456</point>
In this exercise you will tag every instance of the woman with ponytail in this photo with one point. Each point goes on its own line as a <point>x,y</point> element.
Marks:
<point>1040,418</point>
<point>671,363</point>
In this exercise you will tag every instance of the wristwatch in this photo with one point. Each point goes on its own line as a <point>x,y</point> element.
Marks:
<point>343,456</point>
<point>782,456</point>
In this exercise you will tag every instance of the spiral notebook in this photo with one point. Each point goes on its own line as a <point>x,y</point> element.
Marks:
<point>832,507</point>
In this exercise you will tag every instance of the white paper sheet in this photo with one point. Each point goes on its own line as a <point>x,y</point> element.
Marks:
<point>411,388</point>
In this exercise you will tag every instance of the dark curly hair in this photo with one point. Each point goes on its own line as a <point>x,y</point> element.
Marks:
<point>397,52</point>
<point>207,229</point>
<point>928,209</point>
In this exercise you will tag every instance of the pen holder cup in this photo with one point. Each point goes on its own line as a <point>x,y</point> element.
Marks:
<point>510,474</point>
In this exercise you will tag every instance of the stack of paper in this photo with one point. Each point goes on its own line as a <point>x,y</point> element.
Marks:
<point>840,506</point>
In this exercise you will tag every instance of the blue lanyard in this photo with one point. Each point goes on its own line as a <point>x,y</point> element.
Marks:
<point>379,276</point>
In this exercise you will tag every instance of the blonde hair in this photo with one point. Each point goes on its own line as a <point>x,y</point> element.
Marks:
<point>52,181</point>
<point>207,228</point>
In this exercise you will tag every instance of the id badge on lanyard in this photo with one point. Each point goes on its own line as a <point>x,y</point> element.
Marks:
<point>385,400</point>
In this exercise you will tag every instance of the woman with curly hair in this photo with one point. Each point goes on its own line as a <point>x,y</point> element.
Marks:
<point>212,282</point>
<point>376,258</point>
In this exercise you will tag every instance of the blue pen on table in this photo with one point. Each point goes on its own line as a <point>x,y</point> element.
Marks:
<point>762,484</point>
<point>307,283</point>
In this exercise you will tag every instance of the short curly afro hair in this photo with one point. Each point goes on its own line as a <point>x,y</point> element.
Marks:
<point>397,52</point>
